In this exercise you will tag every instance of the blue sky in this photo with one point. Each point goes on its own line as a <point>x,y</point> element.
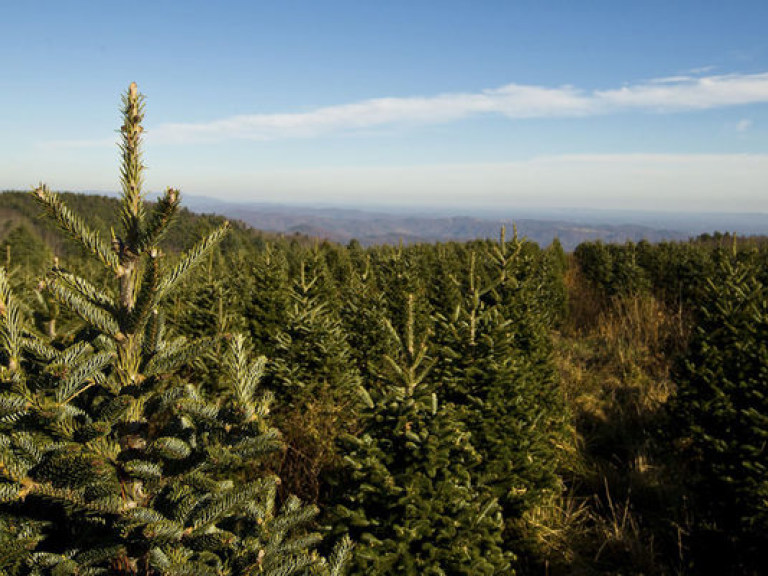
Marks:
<point>640,105</point>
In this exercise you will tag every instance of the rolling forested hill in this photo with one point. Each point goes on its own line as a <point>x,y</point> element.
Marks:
<point>20,216</point>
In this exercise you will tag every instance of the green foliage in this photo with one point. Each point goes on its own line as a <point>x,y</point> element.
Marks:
<point>311,351</point>
<point>266,296</point>
<point>111,462</point>
<point>363,307</point>
<point>721,409</point>
<point>413,502</point>
<point>614,268</point>
<point>316,379</point>
<point>495,361</point>
<point>24,247</point>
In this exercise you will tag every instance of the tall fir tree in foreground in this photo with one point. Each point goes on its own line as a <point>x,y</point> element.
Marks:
<point>112,463</point>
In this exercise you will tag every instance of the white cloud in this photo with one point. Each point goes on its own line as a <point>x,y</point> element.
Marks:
<point>514,101</point>
<point>688,93</point>
<point>744,125</point>
<point>670,80</point>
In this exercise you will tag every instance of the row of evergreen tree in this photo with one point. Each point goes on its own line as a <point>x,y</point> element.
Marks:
<point>135,445</point>
<point>416,389</point>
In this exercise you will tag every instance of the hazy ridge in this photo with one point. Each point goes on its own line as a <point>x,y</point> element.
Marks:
<point>571,227</point>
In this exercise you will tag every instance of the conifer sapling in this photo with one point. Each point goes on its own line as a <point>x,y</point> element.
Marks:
<point>110,461</point>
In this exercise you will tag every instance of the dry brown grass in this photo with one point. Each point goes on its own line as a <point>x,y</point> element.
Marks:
<point>624,542</point>
<point>556,530</point>
<point>584,303</point>
<point>614,356</point>
<point>639,331</point>
<point>310,434</point>
<point>590,535</point>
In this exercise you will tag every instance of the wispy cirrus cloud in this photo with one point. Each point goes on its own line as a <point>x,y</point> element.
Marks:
<point>688,93</point>
<point>512,101</point>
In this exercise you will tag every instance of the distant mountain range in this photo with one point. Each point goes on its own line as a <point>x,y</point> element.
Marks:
<point>391,225</point>
<point>378,226</point>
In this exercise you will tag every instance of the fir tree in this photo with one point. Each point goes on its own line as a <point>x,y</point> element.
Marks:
<point>110,463</point>
<point>23,247</point>
<point>415,506</point>
<point>721,415</point>
<point>315,377</point>
<point>507,387</point>
<point>203,309</point>
<point>444,271</point>
<point>266,296</point>
<point>363,307</point>
<point>312,352</point>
